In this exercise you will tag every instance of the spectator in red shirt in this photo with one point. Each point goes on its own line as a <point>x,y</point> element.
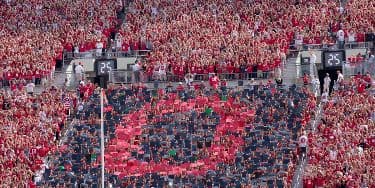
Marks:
<point>305,79</point>
<point>339,148</point>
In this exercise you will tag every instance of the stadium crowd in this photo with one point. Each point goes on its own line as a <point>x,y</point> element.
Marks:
<point>342,149</point>
<point>240,36</point>
<point>237,37</point>
<point>30,129</point>
<point>35,33</point>
<point>185,36</point>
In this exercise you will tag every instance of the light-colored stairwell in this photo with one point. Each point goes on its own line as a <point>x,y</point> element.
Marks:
<point>290,73</point>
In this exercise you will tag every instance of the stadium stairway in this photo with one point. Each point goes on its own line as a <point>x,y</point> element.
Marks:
<point>290,72</point>
<point>59,80</point>
<point>300,168</point>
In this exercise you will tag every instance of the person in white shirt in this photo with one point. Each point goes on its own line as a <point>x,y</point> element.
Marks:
<point>79,72</point>
<point>118,42</point>
<point>76,50</point>
<point>283,58</point>
<point>360,151</point>
<point>30,88</point>
<point>312,64</point>
<point>332,154</point>
<point>302,143</point>
<point>351,36</point>
<point>341,9</point>
<point>42,116</point>
<point>340,78</point>
<point>189,78</point>
<point>162,71</point>
<point>99,48</point>
<point>299,40</point>
<point>340,38</point>
<point>327,83</point>
<point>316,85</point>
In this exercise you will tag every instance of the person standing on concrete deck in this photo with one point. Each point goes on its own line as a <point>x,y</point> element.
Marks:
<point>79,71</point>
<point>327,83</point>
<point>316,85</point>
<point>312,64</point>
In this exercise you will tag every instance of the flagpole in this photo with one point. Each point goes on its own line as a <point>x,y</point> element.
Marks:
<point>102,134</point>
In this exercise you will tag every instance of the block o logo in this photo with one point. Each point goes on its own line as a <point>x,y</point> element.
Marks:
<point>174,137</point>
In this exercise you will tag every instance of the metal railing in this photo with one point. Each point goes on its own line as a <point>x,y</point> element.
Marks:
<point>143,53</point>
<point>347,45</point>
<point>109,54</point>
<point>38,81</point>
<point>123,76</point>
<point>363,67</point>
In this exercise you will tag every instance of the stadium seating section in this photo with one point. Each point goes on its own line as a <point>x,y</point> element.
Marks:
<point>187,137</point>
<point>342,149</point>
<point>225,137</point>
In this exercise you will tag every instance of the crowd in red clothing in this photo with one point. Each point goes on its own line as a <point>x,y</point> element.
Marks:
<point>30,129</point>
<point>86,90</point>
<point>200,37</point>
<point>355,59</point>
<point>204,37</point>
<point>32,38</point>
<point>342,149</point>
<point>360,18</point>
<point>34,33</point>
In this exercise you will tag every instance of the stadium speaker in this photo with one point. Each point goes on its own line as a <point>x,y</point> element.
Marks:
<point>240,82</point>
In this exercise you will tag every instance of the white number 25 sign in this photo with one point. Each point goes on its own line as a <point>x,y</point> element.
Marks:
<point>333,59</point>
<point>105,67</point>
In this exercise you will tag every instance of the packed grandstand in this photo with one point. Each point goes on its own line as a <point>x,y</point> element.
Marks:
<point>223,116</point>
